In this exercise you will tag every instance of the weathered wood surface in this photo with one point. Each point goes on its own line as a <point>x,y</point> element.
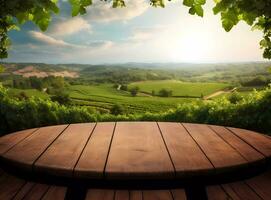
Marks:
<point>12,188</point>
<point>25,153</point>
<point>63,154</point>
<point>137,151</point>
<point>256,188</point>
<point>93,158</point>
<point>134,150</point>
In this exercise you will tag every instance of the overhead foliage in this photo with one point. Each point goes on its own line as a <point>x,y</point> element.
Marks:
<point>255,13</point>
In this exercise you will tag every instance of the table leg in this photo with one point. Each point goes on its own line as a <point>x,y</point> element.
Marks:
<point>196,192</point>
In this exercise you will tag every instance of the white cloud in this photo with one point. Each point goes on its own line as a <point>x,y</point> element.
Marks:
<point>102,11</point>
<point>48,40</point>
<point>142,34</point>
<point>70,26</point>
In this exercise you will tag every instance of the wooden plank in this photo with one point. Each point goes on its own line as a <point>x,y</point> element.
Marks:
<point>242,147</point>
<point>37,192</point>
<point>99,194</point>
<point>92,161</point>
<point>261,185</point>
<point>186,155</point>
<point>221,154</point>
<point>258,141</point>
<point>178,194</point>
<point>122,195</point>
<point>217,193</point>
<point>26,188</point>
<point>26,152</point>
<point>136,195</point>
<point>9,186</point>
<point>10,140</point>
<point>138,151</point>
<point>157,195</point>
<point>230,192</point>
<point>55,193</point>
<point>61,157</point>
<point>244,191</point>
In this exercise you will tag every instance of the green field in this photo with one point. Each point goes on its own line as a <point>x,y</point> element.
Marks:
<point>105,96</point>
<point>27,92</point>
<point>178,88</point>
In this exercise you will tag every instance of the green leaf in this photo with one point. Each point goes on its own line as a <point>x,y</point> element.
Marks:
<point>75,10</point>
<point>200,2</point>
<point>192,11</point>
<point>198,10</point>
<point>86,3</point>
<point>188,3</point>
<point>227,24</point>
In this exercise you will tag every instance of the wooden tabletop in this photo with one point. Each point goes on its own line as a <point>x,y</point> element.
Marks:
<point>134,150</point>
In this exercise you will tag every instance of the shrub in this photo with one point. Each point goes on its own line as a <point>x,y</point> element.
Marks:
<point>235,97</point>
<point>252,112</point>
<point>61,98</point>
<point>165,93</point>
<point>117,109</point>
<point>124,87</point>
<point>134,91</point>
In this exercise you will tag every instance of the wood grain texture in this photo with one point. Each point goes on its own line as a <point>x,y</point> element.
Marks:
<point>178,194</point>
<point>138,151</point>
<point>136,195</point>
<point>9,186</point>
<point>244,191</point>
<point>186,155</point>
<point>227,188</point>
<point>221,154</point>
<point>249,153</point>
<point>22,192</point>
<point>99,194</point>
<point>93,159</point>
<point>261,185</point>
<point>55,193</point>
<point>217,193</point>
<point>122,195</point>
<point>157,195</point>
<point>258,141</point>
<point>10,140</point>
<point>26,152</point>
<point>37,192</point>
<point>61,157</point>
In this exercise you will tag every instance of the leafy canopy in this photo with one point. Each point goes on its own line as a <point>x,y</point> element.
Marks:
<point>255,13</point>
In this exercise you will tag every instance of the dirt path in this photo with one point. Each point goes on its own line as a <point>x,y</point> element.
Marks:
<point>218,93</point>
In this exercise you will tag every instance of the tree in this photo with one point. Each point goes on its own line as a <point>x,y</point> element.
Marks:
<point>256,13</point>
<point>61,98</point>
<point>134,91</point>
<point>116,109</point>
<point>165,93</point>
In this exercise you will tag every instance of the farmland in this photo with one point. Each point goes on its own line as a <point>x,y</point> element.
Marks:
<point>97,87</point>
<point>180,89</point>
<point>103,96</point>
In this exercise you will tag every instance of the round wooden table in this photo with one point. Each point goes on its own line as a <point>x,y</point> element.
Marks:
<point>136,154</point>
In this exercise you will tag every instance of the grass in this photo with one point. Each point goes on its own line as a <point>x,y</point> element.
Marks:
<point>28,92</point>
<point>105,96</point>
<point>102,97</point>
<point>180,89</point>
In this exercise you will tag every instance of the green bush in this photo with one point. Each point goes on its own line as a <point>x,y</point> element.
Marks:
<point>251,112</point>
<point>117,109</point>
<point>165,93</point>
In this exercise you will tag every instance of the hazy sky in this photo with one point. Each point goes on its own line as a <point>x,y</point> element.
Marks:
<point>137,33</point>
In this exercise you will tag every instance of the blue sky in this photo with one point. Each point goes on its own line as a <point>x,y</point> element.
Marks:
<point>137,33</point>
